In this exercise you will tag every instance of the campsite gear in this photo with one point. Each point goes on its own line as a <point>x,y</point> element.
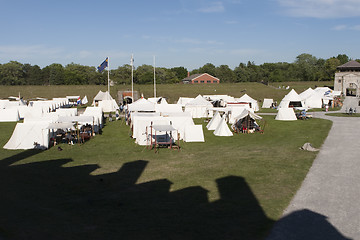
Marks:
<point>309,147</point>
<point>246,122</point>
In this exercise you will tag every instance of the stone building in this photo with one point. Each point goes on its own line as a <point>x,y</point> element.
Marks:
<point>347,79</point>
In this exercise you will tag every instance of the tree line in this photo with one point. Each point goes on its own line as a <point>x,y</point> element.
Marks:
<point>306,67</point>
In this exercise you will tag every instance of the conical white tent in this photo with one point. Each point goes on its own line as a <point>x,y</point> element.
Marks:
<point>223,129</point>
<point>291,99</point>
<point>102,96</point>
<point>163,101</point>
<point>214,122</point>
<point>105,101</point>
<point>253,103</point>
<point>286,114</point>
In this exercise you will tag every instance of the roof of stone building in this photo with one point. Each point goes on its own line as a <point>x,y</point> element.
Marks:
<point>351,65</point>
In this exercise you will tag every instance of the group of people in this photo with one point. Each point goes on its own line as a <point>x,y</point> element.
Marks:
<point>351,110</point>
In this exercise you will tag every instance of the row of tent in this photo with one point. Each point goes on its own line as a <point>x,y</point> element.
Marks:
<point>220,127</point>
<point>35,132</point>
<point>310,98</point>
<point>42,118</point>
<point>144,114</point>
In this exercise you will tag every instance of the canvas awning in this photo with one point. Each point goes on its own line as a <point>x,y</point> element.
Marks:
<point>80,119</point>
<point>62,125</point>
<point>163,128</point>
<point>246,113</point>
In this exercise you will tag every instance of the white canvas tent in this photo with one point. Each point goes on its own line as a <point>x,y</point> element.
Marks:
<point>101,96</point>
<point>67,111</point>
<point>245,113</point>
<point>4,103</point>
<point>223,129</point>
<point>252,102</point>
<point>194,133</point>
<point>108,105</point>
<point>9,115</point>
<point>141,123</point>
<point>97,113</point>
<point>314,101</point>
<point>306,94</point>
<point>184,100</point>
<point>246,121</point>
<point>198,107</point>
<point>29,136</point>
<point>158,100</point>
<point>267,102</point>
<point>236,111</point>
<point>292,99</point>
<point>214,122</point>
<point>141,105</point>
<point>286,114</point>
<point>168,108</point>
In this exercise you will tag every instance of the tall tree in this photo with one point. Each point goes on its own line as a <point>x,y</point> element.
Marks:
<point>180,72</point>
<point>12,73</point>
<point>53,74</point>
<point>122,74</point>
<point>144,74</point>
<point>306,67</point>
<point>225,74</point>
<point>208,68</point>
<point>343,58</point>
<point>32,74</point>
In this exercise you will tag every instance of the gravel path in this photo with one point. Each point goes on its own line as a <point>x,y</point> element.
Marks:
<point>327,206</point>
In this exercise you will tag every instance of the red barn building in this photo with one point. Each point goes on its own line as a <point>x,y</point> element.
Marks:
<point>201,78</point>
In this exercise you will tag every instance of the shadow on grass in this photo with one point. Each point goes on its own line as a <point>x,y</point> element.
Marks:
<point>44,200</point>
<point>305,224</point>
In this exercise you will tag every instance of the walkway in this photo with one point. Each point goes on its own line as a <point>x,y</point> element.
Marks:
<point>327,206</point>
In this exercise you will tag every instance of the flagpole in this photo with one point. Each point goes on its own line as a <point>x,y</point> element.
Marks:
<point>132,77</point>
<point>154,80</point>
<point>108,75</point>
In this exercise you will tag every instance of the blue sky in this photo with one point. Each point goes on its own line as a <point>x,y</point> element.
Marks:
<point>188,33</point>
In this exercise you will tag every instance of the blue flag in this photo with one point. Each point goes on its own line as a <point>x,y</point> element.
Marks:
<point>102,66</point>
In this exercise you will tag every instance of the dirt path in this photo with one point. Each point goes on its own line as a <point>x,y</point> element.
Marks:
<point>327,206</point>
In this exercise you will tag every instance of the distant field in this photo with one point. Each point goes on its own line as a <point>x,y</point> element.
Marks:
<point>170,91</point>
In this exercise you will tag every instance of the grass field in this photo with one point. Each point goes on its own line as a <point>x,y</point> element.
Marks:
<point>111,188</point>
<point>171,91</point>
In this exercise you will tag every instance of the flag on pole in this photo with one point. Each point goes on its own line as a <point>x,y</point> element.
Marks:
<point>132,60</point>
<point>78,102</point>
<point>103,65</point>
<point>84,100</point>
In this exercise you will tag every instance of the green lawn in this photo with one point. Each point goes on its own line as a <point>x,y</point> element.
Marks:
<point>111,188</point>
